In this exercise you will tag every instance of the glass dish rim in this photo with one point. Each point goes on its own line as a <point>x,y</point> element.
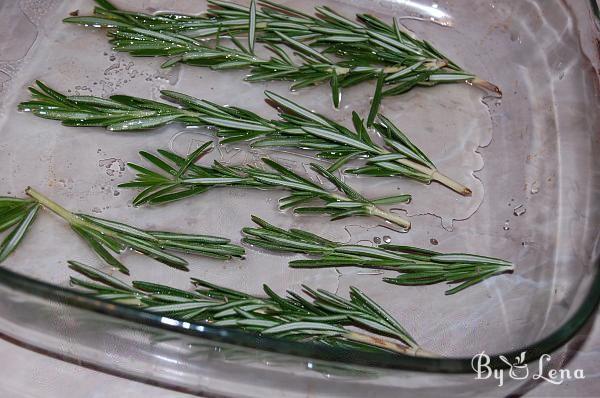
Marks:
<point>306,351</point>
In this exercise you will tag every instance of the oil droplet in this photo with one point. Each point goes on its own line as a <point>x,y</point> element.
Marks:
<point>387,239</point>
<point>506,226</point>
<point>519,210</point>
<point>377,240</point>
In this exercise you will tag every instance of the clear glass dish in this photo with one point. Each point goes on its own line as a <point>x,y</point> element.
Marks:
<point>529,158</point>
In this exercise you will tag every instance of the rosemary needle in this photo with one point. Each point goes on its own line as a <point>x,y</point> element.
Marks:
<point>175,178</point>
<point>106,237</point>
<point>16,216</point>
<point>331,47</point>
<point>297,127</point>
<point>322,318</point>
<point>417,266</point>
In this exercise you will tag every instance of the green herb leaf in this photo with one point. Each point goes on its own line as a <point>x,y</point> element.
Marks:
<point>10,243</point>
<point>252,26</point>
<point>376,102</point>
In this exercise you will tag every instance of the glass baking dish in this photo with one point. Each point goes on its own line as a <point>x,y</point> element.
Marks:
<point>529,158</point>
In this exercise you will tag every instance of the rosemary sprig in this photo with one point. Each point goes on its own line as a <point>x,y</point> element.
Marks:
<point>106,237</point>
<point>176,177</point>
<point>417,266</point>
<point>16,216</point>
<point>297,127</point>
<point>324,318</point>
<point>368,48</point>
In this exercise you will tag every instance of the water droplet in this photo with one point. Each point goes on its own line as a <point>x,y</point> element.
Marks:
<point>534,188</point>
<point>387,239</point>
<point>433,241</point>
<point>519,210</point>
<point>377,240</point>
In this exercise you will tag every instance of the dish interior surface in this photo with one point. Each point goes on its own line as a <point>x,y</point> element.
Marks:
<point>528,157</point>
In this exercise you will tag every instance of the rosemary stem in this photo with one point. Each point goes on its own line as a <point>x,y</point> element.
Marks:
<point>391,217</point>
<point>72,219</point>
<point>450,183</point>
<point>392,69</point>
<point>388,70</point>
<point>484,84</point>
<point>437,176</point>
<point>389,345</point>
<point>377,212</point>
<point>53,206</point>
